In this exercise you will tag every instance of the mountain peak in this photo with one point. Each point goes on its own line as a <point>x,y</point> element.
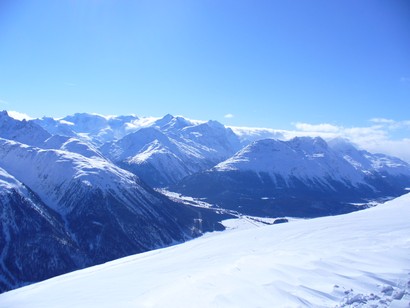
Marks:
<point>22,131</point>
<point>304,141</point>
<point>170,122</point>
<point>168,117</point>
<point>303,157</point>
<point>341,144</point>
<point>215,124</point>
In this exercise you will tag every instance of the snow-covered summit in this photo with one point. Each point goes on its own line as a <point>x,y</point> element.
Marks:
<point>302,177</point>
<point>170,123</point>
<point>213,138</point>
<point>171,148</point>
<point>157,158</point>
<point>23,131</point>
<point>133,143</point>
<point>307,159</point>
<point>92,127</point>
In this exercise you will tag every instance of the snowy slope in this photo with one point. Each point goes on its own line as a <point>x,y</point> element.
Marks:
<point>34,244</point>
<point>361,259</point>
<point>83,210</point>
<point>308,159</point>
<point>155,157</point>
<point>214,141</point>
<point>55,172</point>
<point>73,145</point>
<point>8,182</point>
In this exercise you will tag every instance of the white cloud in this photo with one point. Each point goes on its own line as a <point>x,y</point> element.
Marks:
<point>391,124</point>
<point>324,127</point>
<point>399,148</point>
<point>228,116</point>
<point>378,138</point>
<point>382,121</point>
<point>18,115</point>
<point>257,133</point>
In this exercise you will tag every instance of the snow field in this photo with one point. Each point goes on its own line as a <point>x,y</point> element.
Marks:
<point>360,259</point>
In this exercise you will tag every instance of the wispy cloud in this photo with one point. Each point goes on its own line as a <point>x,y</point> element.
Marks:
<point>324,127</point>
<point>391,124</point>
<point>382,121</point>
<point>18,115</point>
<point>229,116</point>
<point>3,102</point>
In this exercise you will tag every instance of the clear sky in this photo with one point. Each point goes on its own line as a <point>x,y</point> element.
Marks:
<point>249,63</point>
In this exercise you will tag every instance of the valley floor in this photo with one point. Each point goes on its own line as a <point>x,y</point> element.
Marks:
<point>360,259</point>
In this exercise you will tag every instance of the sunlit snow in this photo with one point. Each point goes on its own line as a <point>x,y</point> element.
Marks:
<point>360,259</point>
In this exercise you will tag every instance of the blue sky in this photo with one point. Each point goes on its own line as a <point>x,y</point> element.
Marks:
<point>267,63</point>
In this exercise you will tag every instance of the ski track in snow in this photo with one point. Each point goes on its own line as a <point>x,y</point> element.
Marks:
<point>360,259</point>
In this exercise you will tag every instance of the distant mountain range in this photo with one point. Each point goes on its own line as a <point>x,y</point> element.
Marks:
<point>302,177</point>
<point>78,191</point>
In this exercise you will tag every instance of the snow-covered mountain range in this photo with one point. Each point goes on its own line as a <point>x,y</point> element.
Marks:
<point>172,148</point>
<point>83,184</point>
<point>161,151</point>
<point>82,209</point>
<point>359,259</point>
<point>301,177</point>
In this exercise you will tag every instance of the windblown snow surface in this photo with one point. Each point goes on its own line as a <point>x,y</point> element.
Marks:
<point>361,259</point>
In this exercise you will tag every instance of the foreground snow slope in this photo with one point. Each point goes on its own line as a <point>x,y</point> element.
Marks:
<point>361,258</point>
